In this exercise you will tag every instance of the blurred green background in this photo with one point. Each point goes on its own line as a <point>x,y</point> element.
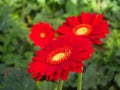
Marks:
<point>102,72</point>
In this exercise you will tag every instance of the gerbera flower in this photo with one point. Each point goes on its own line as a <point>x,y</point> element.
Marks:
<point>59,57</point>
<point>41,33</point>
<point>91,25</point>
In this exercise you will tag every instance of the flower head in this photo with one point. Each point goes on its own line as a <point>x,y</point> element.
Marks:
<point>60,57</point>
<point>91,25</point>
<point>41,33</point>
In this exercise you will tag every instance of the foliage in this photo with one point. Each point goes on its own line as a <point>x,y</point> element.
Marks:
<point>102,72</point>
<point>15,48</point>
<point>15,79</point>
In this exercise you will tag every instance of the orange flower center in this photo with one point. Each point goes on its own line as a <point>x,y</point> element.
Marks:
<point>58,56</point>
<point>82,29</point>
<point>42,35</point>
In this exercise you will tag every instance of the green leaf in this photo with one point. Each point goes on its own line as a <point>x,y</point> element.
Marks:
<point>41,1</point>
<point>44,85</point>
<point>17,79</point>
<point>117,79</point>
<point>71,7</point>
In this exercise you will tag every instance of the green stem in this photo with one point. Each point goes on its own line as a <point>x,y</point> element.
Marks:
<point>79,84</point>
<point>60,85</point>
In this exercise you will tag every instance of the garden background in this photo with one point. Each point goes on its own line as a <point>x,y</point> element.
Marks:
<point>102,72</point>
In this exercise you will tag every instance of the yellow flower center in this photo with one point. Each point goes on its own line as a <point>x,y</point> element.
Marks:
<point>81,31</point>
<point>58,56</point>
<point>42,35</point>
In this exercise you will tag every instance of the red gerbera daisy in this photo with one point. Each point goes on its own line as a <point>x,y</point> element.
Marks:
<point>59,57</point>
<point>41,33</point>
<point>87,24</point>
